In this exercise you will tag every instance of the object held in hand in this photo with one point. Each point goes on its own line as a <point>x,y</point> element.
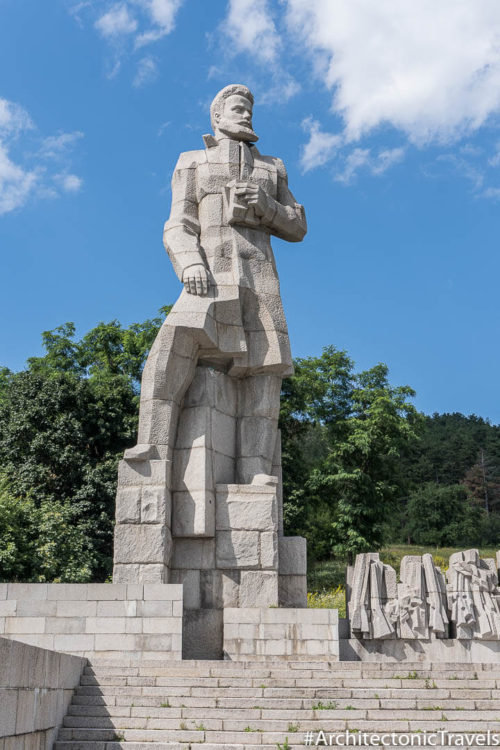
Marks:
<point>236,208</point>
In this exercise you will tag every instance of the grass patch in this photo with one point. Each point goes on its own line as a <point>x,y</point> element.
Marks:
<point>330,706</point>
<point>394,553</point>
<point>334,599</point>
<point>326,578</point>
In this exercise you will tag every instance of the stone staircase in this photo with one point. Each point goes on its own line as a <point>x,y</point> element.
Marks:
<point>235,705</point>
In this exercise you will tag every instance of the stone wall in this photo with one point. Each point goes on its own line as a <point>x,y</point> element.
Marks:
<point>36,687</point>
<point>259,633</point>
<point>96,619</point>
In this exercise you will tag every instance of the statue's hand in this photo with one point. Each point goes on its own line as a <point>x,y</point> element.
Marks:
<point>195,279</point>
<point>253,195</point>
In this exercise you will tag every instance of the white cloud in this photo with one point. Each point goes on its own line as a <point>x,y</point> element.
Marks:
<point>147,71</point>
<point>362,158</point>
<point>250,28</point>
<point>56,146</point>
<point>31,171</point>
<point>430,69</point>
<point>385,159</point>
<point>162,15</point>
<point>358,158</point>
<point>13,118</point>
<point>128,26</point>
<point>283,88</point>
<point>321,146</point>
<point>163,127</point>
<point>463,166</point>
<point>117,21</point>
<point>493,193</point>
<point>494,161</point>
<point>70,183</point>
<point>16,183</point>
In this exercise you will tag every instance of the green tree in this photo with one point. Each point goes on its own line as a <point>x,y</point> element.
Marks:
<point>366,425</point>
<point>64,422</point>
<point>41,542</point>
<point>449,446</point>
<point>443,515</point>
<point>483,481</point>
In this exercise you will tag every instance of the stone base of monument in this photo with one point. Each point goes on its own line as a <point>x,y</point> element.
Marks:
<point>95,620</point>
<point>187,520</point>
<point>435,651</point>
<point>262,634</point>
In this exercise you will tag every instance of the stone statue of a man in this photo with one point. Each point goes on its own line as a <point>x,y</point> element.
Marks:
<point>227,201</point>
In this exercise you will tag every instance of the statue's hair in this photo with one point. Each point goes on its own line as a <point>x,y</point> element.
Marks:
<point>217,105</point>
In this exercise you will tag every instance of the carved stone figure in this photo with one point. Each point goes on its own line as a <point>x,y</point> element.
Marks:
<point>227,201</point>
<point>373,594</point>
<point>421,599</point>
<point>199,497</point>
<point>473,596</point>
<point>412,609</point>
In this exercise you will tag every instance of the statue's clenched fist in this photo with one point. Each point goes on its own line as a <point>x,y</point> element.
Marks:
<point>195,279</point>
<point>253,195</point>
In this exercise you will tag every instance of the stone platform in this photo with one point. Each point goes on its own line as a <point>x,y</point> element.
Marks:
<point>95,619</point>
<point>258,634</point>
<point>435,651</point>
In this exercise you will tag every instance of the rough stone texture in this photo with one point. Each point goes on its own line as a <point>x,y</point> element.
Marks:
<point>473,596</point>
<point>452,651</point>
<point>237,549</point>
<point>96,619</point>
<point>292,581</point>
<point>36,687</point>
<point>292,591</point>
<point>211,385</point>
<point>261,634</point>
<point>238,567</point>
<point>379,608</point>
<point>293,556</point>
<point>247,508</point>
<point>468,608</point>
<point>202,634</point>
<point>422,599</point>
<point>143,541</point>
<point>370,611</point>
<point>258,588</point>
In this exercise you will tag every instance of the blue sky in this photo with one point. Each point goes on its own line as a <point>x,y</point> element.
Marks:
<point>386,115</point>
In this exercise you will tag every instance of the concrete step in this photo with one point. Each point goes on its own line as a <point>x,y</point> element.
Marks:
<point>262,738</point>
<point>302,708</point>
<point>180,685</point>
<point>129,693</point>
<point>92,745</point>
<point>181,746</point>
<point>195,667</point>
<point>311,720</point>
<point>223,705</point>
<point>178,715</point>
<point>177,676</point>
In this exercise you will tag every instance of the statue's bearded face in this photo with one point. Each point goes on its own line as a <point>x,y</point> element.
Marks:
<point>236,119</point>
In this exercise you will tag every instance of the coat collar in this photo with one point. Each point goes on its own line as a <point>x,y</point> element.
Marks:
<point>211,142</point>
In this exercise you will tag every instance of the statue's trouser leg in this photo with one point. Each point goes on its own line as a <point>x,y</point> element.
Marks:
<point>167,375</point>
<point>258,411</point>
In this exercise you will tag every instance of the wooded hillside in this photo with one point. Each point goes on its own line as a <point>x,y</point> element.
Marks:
<point>361,466</point>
